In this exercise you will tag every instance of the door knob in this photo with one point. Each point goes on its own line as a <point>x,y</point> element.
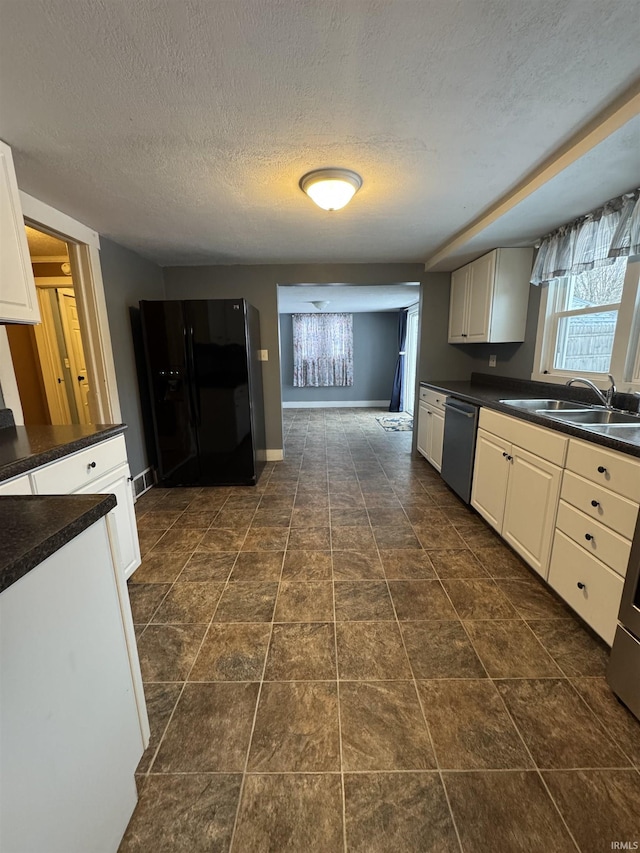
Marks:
<point>80,378</point>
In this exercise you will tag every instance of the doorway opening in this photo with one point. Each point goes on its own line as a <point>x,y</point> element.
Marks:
<point>410,360</point>
<point>375,310</point>
<point>49,358</point>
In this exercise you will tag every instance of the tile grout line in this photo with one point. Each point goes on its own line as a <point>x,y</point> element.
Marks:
<point>204,636</point>
<point>255,710</point>
<point>424,718</point>
<point>517,729</point>
<point>417,693</point>
<point>343,792</point>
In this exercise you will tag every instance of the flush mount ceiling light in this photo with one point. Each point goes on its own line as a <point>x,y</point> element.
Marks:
<point>331,189</point>
<point>320,305</point>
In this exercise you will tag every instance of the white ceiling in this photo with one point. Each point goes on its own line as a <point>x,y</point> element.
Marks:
<point>180,128</point>
<point>297,298</point>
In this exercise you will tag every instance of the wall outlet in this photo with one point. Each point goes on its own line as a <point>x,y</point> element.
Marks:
<point>493,360</point>
<point>263,355</point>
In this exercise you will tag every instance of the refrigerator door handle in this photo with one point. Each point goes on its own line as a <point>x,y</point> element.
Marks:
<point>193,390</point>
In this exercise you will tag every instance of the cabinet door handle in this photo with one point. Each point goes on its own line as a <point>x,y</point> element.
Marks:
<point>588,537</point>
<point>581,585</point>
<point>505,454</point>
<point>602,469</point>
<point>595,503</point>
<point>91,465</point>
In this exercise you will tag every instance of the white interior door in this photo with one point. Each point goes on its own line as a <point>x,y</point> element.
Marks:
<point>75,350</point>
<point>410,361</point>
<point>52,373</point>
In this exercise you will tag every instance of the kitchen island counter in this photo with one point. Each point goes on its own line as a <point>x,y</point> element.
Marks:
<point>35,527</point>
<point>23,448</point>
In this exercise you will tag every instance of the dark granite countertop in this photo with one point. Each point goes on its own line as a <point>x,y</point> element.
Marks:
<point>486,390</point>
<point>23,448</point>
<point>34,527</point>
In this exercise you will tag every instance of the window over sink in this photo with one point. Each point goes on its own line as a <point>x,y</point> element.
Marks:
<point>589,325</point>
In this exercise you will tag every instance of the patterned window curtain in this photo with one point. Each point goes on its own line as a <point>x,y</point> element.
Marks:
<point>593,241</point>
<point>322,350</point>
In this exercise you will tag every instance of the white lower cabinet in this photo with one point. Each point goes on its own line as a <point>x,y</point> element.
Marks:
<point>422,429</point>
<point>568,507</point>
<point>117,483</point>
<point>588,586</point>
<point>97,470</point>
<point>17,486</point>
<point>430,427</point>
<point>594,528</point>
<point>490,477</point>
<point>74,722</point>
<point>530,507</point>
<point>517,491</point>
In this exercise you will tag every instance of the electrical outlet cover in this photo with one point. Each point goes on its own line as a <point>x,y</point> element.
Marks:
<point>493,360</point>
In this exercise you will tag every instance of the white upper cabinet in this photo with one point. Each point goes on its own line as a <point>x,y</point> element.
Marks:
<point>489,298</point>
<point>18,300</point>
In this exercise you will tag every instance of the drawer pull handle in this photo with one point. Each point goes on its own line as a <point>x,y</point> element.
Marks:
<point>588,537</point>
<point>505,454</point>
<point>581,585</point>
<point>91,465</point>
<point>602,469</point>
<point>595,503</point>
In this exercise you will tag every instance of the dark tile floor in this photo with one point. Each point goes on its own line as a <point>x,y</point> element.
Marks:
<point>347,658</point>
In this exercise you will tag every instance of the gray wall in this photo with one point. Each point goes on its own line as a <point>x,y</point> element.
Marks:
<point>513,360</point>
<point>258,284</point>
<point>458,361</point>
<point>375,352</point>
<point>437,359</point>
<point>127,279</point>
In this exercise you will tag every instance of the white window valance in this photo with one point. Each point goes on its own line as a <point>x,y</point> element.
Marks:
<point>592,241</point>
<point>322,350</point>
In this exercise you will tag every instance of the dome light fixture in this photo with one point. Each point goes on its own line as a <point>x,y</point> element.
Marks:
<point>331,189</point>
<point>320,305</point>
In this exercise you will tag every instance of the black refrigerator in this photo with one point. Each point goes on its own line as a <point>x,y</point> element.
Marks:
<point>205,383</point>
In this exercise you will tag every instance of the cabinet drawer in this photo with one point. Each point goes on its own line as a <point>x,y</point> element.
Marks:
<point>17,486</point>
<point>78,470</point>
<point>615,471</point>
<point>597,600</point>
<point>496,423</point>
<point>605,544</point>
<point>542,442</point>
<point>433,398</point>
<point>605,506</point>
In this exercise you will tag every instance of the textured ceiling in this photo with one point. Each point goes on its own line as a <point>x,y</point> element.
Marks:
<point>180,129</point>
<point>43,245</point>
<point>342,297</point>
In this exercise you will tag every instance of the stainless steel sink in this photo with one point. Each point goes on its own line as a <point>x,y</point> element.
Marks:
<point>544,406</point>
<point>597,417</point>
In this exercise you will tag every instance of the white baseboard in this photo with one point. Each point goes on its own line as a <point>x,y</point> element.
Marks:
<point>339,404</point>
<point>276,455</point>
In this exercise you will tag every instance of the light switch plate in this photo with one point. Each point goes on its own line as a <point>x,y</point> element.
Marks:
<point>263,355</point>
<point>493,360</point>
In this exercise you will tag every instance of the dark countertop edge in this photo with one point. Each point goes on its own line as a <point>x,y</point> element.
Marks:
<point>37,460</point>
<point>486,402</point>
<point>98,506</point>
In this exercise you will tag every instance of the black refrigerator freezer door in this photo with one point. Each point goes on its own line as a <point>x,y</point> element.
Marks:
<point>218,346</point>
<point>167,364</point>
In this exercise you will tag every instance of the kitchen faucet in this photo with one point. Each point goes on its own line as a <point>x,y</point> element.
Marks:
<point>606,398</point>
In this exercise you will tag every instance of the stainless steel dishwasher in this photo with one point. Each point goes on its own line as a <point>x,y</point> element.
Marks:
<point>460,428</point>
